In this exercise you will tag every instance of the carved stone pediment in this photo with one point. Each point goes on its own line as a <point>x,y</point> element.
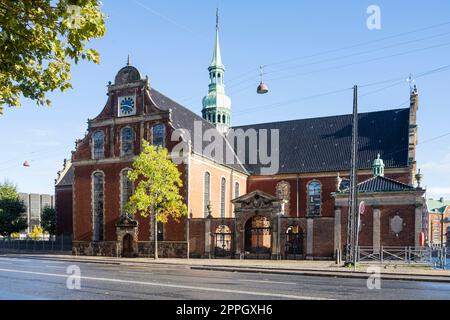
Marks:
<point>256,197</point>
<point>126,221</point>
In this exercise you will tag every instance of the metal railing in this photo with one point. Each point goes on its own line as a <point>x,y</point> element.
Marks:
<point>409,255</point>
<point>58,244</point>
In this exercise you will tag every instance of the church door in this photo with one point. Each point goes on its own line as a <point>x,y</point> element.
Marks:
<point>127,250</point>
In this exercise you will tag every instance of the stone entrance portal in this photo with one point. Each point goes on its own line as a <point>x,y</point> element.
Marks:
<point>127,236</point>
<point>257,225</point>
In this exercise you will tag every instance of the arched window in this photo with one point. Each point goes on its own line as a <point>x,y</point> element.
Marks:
<point>223,187</point>
<point>206,193</point>
<point>314,201</point>
<point>98,145</point>
<point>97,203</point>
<point>159,135</point>
<point>237,190</point>
<point>126,190</point>
<point>127,137</point>
<point>223,119</point>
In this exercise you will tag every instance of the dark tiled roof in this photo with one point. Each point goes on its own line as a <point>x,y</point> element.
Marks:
<point>382,184</point>
<point>67,178</point>
<point>183,118</point>
<point>324,144</point>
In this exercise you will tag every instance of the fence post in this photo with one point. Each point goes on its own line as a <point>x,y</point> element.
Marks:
<point>381,254</point>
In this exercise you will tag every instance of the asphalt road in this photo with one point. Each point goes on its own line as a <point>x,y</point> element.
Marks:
<point>25,278</point>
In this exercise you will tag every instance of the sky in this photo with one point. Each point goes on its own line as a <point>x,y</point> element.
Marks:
<point>312,51</point>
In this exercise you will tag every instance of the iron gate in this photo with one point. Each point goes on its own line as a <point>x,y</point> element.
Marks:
<point>223,240</point>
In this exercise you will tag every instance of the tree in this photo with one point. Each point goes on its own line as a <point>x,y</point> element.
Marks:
<point>157,194</point>
<point>12,209</point>
<point>48,220</point>
<point>39,40</point>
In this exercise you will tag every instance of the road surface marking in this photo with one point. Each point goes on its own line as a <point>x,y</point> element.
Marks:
<point>268,281</point>
<point>156,284</point>
<point>136,272</point>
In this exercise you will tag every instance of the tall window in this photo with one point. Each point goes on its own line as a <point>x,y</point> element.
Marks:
<point>98,213</point>
<point>127,137</point>
<point>237,190</point>
<point>99,145</point>
<point>206,193</point>
<point>223,186</point>
<point>314,201</point>
<point>126,189</point>
<point>158,133</point>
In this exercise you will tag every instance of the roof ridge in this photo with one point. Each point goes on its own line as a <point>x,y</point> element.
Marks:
<point>323,117</point>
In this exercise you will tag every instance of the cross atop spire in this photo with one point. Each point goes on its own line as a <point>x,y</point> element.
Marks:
<point>128,60</point>
<point>217,19</point>
<point>217,56</point>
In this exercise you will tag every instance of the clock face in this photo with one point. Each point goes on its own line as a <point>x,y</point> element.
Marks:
<point>127,106</point>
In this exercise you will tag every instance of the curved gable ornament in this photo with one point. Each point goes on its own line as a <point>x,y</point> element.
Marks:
<point>396,224</point>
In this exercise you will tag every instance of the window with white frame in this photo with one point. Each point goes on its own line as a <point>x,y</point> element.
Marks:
<point>314,198</point>
<point>158,135</point>
<point>127,138</point>
<point>126,189</point>
<point>237,190</point>
<point>98,150</point>
<point>206,193</point>
<point>223,187</point>
<point>98,207</point>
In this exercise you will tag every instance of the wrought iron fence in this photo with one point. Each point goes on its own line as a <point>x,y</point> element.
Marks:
<point>58,244</point>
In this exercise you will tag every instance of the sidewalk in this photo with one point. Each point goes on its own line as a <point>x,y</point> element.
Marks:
<point>293,267</point>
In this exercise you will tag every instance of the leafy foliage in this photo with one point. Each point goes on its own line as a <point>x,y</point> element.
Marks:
<point>158,188</point>
<point>12,209</point>
<point>48,220</point>
<point>36,233</point>
<point>39,40</point>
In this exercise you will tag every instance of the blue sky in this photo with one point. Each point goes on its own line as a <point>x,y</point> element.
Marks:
<point>300,42</point>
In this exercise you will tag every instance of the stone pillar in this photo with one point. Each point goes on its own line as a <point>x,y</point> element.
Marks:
<point>376,234</point>
<point>237,239</point>
<point>309,237</point>
<point>337,229</point>
<point>418,224</point>
<point>275,240</point>
<point>207,238</point>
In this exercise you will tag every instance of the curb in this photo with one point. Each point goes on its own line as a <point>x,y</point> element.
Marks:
<point>268,270</point>
<point>332,274</point>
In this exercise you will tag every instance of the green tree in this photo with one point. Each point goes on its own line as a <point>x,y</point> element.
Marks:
<point>157,194</point>
<point>48,220</point>
<point>39,39</point>
<point>158,185</point>
<point>12,209</point>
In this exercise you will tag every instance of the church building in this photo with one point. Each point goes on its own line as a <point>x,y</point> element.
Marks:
<point>236,209</point>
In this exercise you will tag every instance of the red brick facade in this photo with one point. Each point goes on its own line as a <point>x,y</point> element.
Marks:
<point>319,235</point>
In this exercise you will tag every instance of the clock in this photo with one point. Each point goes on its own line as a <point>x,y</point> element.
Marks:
<point>127,106</point>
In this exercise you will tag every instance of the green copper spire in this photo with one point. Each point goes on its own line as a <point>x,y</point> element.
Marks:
<point>378,167</point>
<point>216,104</point>
<point>217,57</point>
